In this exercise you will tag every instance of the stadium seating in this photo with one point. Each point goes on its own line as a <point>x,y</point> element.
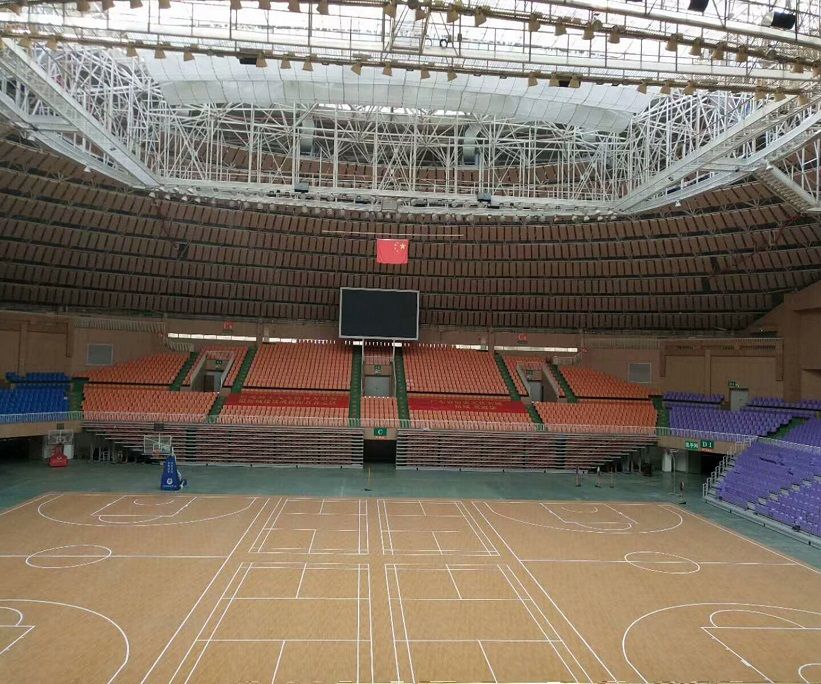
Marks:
<point>472,420</point>
<point>151,401</point>
<point>778,481</point>
<point>284,408</point>
<point>446,370</point>
<point>305,365</point>
<point>692,398</point>
<point>807,408</point>
<point>158,369</point>
<point>608,415</point>
<point>589,383</point>
<point>378,411</point>
<point>39,378</point>
<point>31,399</point>
<point>808,433</point>
<point>702,419</point>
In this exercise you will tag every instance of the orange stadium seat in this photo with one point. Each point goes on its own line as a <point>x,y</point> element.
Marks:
<point>378,411</point>
<point>448,370</point>
<point>586,382</point>
<point>612,414</point>
<point>157,369</point>
<point>513,361</point>
<point>472,420</point>
<point>151,401</point>
<point>304,365</point>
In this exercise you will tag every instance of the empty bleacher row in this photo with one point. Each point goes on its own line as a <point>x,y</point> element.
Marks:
<point>286,407</point>
<point>510,450</point>
<point>304,365</point>
<point>779,481</point>
<point>703,419</point>
<point>603,415</point>
<point>588,383</point>
<point>103,400</point>
<point>157,369</point>
<point>446,370</point>
<point>277,445</point>
<point>379,412</point>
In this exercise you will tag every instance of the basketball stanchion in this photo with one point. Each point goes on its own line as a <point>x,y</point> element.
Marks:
<point>598,476</point>
<point>612,477</point>
<point>578,477</point>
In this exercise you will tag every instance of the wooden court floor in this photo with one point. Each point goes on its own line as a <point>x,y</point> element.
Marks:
<point>98,588</point>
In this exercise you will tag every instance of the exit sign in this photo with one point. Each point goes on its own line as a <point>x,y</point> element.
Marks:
<point>707,444</point>
<point>689,444</point>
<point>732,384</point>
<point>380,432</point>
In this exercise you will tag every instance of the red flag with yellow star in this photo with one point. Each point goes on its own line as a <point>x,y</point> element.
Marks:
<point>391,251</point>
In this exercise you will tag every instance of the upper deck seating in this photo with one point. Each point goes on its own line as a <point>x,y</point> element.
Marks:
<point>305,365</point>
<point>447,370</point>
<point>33,399</point>
<point>703,419</point>
<point>286,407</point>
<point>589,383</point>
<point>808,433</point>
<point>157,369</point>
<point>693,398</point>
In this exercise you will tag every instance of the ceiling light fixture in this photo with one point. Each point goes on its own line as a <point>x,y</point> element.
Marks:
<point>131,51</point>
<point>575,82</point>
<point>665,88</point>
<point>322,7</point>
<point>187,55</point>
<point>262,63</point>
<point>532,79</point>
<point>159,53</point>
<point>690,88</point>
<point>424,73</point>
<point>264,4</point>
<point>554,81</point>
<point>615,36</point>
<point>797,68</point>
<point>695,48</point>
<point>52,43</point>
<point>803,99</point>
<point>672,43</point>
<point>308,65</point>
<point>779,95</point>
<point>135,4</point>
<point>387,70</point>
<point>533,23</point>
<point>479,17</point>
<point>285,63</point>
<point>588,33</point>
<point>760,93</point>
<point>741,54</point>
<point>560,29</point>
<point>642,87</point>
<point>83,5</point>
<point>718,51</point>
<point>357,68</point>
<point>293,6</point>
<point>164,4</point>
<point>452,14</point>
<point>107,5</point>
<point>420,14</point>
<point>236,4</point>
<point>389,9</point>
<point>451,75</point>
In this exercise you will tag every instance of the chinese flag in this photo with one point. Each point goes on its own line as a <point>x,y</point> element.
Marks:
<point>391,251</point>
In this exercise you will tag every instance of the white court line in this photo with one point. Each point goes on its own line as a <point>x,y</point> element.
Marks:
<point>276,667</point>
<point>367,548</point>
<point>313,537</point>
<point>485,541</point>
<point>487,660</point>
<point>301,577</point>
<point>591,525</point>
<point>257,544</point>
<point>204,591</point>
<point>650,562</point>
<point>750,541</point>
<point>97,513</point>
<point>247,569</point>
<point>28,628</point>
<point>270,641</point>
<point>115,555</point>
<point>370,619</point>
<point>743,661</point>
<point>452,579</point>
<point>394,640</point>
<point>404,624</point>
<point>778,629</point>
<point>358,607</point>
<point>30,501</point>
<point>542,589</point>
<point>550,641</point>
<point>624,515</point>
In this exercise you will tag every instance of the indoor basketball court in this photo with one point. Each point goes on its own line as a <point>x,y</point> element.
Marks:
<point>189,588</point>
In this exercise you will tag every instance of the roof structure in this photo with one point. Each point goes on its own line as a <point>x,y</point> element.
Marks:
<point>566,109</point>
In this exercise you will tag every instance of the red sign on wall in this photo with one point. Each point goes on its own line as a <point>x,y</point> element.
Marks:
<point>228,326</point>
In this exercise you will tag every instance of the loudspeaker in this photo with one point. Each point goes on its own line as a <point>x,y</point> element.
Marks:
<point>698,5</point>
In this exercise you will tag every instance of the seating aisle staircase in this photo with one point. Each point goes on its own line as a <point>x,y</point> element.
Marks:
<point>511,388</point>
<point>401,385</point>
<point>568,392</point>
<point>76,394</point>
<point>355,399</point>
<point>662,414</point>
<point>176,386</point>
<point>243,370</point>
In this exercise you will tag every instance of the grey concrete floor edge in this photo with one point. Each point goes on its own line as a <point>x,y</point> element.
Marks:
<point>23,480</point>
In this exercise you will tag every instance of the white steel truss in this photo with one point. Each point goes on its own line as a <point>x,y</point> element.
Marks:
<point>106,111</point>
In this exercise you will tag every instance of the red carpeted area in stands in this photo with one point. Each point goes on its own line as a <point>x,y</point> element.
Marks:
<point>289,399</point>
<point>465,404</point>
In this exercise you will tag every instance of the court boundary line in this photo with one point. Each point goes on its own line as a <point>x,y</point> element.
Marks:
<point>30,501</point>
<point>542,589</point>
<point>265,502</point>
